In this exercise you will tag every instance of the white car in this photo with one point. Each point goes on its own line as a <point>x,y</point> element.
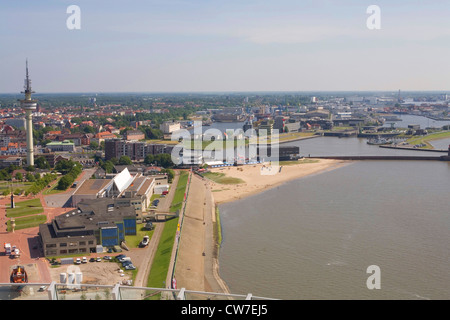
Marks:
<point>84,260</point>
<point>77,261</point>
<point>144,241</point>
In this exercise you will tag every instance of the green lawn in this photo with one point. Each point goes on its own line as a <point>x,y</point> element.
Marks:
<point>217,227</point>
<point>179,192</point>
<point>161,262</point>
<point>27,222</point>
<point>53,189</point>
<point>221,178</point>
<point>294,162</point>
<point>25,208</point>
<point>133,241</point>
<point>154,197</point>
<point>160,265</point>
<point>429,137</point>
<point>6,185</point>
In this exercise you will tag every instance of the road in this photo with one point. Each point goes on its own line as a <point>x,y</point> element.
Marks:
<point>149,253</point>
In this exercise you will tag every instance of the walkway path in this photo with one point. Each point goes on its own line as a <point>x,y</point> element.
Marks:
<point>196,267</point>
<point>149,253</point>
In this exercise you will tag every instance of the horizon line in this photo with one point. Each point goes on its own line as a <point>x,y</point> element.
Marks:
<point>229,91</point>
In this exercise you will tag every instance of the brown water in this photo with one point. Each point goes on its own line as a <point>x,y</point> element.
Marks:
<point>314,238</point>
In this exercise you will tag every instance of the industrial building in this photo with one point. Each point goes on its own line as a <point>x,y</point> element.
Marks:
<point>93,226</point>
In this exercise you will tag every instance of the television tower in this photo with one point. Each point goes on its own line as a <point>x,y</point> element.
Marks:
<point>29,106</point>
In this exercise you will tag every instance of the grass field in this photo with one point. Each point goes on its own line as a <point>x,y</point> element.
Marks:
<point>179,192</point>
<point>133,241</point>
<point>161,262</point>
<point>221,178</point>
<point>430,137</point>
<point>53,189</point>
<point>217,229</point>
<point>27,222</point>
<point>25,208</point>
<point>6,185</point>
<point>293,162</point>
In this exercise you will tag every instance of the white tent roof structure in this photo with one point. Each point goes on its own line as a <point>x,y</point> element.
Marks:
<point>122,180</point>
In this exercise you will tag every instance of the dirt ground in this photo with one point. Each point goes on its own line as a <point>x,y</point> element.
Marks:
<point>101,273</point>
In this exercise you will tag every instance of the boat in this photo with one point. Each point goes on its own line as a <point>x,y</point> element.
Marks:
<point>379,141</point>
<point>19,275</point>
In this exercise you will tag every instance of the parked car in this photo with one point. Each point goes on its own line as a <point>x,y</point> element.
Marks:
<point>125,259</point>
<point>107,257</point>
<point>130,267</point>
<point>120,256</point>
<point>42,288</point>
<point>92,260</point>
<point>144,241</point>
<point>84,260</point>
<point>149,226</point>
<point>77,261</point>
<point>99,259</point>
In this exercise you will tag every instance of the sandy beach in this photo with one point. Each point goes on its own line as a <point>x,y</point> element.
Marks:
<point>258,178</point>
<point>197,266</point>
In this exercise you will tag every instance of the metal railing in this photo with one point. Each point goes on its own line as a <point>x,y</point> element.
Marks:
<point>63,291</point>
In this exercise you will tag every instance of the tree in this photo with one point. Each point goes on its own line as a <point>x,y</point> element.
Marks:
<point>19,176</point>
<point>42,163</point>
<point>94,145</point>
<point>125,160</point>
<point>65,182</point>
<point>163,160</point>
<point>108,166</point>
<point>170,174</point>
<point>30,178</point>
<point>88,129</point>
<point>149,159</point>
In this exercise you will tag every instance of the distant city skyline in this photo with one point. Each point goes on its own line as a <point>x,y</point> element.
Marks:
<point>225,46</point>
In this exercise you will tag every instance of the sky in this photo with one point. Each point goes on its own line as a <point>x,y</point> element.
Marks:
<point>227,45</point>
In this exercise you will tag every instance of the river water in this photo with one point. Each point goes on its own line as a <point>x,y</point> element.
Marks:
<point>315,237</point>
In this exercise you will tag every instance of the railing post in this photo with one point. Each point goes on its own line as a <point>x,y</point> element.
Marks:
<point>51,291</point>
<point>181,295</point>
<point>115,294</point>
<point>249,296</point>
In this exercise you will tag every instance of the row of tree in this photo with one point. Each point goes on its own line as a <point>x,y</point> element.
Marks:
<point>71,170</point>
<point>41,182</point>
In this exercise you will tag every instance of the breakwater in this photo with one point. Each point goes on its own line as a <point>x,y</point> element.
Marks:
<point>441,158</point>
<point>413,149</point>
